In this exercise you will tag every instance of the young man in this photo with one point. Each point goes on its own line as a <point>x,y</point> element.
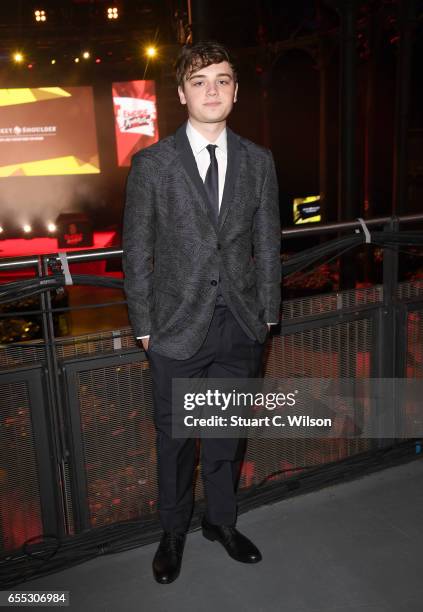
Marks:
<point>201,245</point>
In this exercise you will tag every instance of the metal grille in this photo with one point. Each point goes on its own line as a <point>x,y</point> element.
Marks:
<point>118,432</point>
<point>16,355</point>
<point>408,290</point>
<point>20,512</point>
<point>119,442</point>
<point>331,351</point>
<point>337,350</point>
<point>331,302</point>
<point>93,344</point>
<point>285,457</point>
<point>414,359</point>
<point>67,498</point>
<point>115,408</point>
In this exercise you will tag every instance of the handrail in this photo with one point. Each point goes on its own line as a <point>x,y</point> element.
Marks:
<point>7,263</point>
<point>344,225</point>
<point>107,253</point>
<point>10,263</point>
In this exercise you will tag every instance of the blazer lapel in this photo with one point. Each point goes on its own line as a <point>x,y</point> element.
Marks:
<point>190,166</point>
<point>232,171</point>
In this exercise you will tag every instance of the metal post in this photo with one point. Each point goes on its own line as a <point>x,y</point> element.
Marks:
<point>390,286</point>
<point>347,186</point>
<point>57,437</point>
<point>407,10</point>
<point>387,322</point>
<point>265,113</point>
<point>200,20</point>
<point>347,200</point>
<point>323,128</point>
<point>55,399</point>
<point>374,32</point>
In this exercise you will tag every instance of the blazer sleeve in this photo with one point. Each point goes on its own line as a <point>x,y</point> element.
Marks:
<point>267,245</point>
<point>138,239</point>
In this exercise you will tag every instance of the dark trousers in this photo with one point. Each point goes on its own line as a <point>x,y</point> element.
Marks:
<point>227,352</point>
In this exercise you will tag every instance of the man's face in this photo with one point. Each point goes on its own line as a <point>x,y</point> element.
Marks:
<point>209,93</point>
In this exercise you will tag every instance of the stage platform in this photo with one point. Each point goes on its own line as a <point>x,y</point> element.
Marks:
<point>26,247</point>
<point>23,247</point>
<point>354,547</point>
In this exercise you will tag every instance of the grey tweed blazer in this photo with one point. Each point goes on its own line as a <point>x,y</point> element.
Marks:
<point>174,253</point>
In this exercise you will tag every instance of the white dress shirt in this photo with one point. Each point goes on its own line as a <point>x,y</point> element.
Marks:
<point>202,157</point>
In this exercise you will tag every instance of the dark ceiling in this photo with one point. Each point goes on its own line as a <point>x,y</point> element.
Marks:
<point>72,25</point>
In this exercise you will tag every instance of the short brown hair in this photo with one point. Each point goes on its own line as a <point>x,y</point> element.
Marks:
<point>194,57</point>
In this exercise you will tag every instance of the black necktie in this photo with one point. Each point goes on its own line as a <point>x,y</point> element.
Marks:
<point>211,182</point>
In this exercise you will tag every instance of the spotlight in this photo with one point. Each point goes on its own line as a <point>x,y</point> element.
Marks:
<point>51,227</point>
<point>76,60</point>
<point>40,15</point>
<point>27,228</point>
<point>86,55</point>
<point>98,60</point>
<point>53,61</point>
<point>18,57</point>
<point>112,12</point>
<point>151,51</point>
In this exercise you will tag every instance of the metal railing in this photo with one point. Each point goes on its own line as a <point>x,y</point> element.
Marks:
<point>79,394</point>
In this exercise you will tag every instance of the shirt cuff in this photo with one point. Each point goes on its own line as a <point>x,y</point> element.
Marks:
<point>141,337</point>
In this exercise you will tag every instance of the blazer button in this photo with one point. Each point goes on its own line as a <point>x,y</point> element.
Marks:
<point>214,283</point>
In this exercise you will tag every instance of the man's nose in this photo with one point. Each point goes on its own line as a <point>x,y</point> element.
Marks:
<point>211,89</point>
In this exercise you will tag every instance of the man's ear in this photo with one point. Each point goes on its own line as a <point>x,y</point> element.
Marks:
<point>236,93</point>
<point>181,94</point>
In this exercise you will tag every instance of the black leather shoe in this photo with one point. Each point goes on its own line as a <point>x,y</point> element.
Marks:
<point>168,558</point>
<point>237,545</point>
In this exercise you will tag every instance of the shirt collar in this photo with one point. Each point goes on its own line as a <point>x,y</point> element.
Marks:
<point>198,142</point>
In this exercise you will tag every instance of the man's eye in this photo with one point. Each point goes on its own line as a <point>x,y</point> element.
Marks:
<point>223,82</point>
<point>197,83</point>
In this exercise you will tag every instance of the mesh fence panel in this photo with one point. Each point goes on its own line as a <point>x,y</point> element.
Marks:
<point>414,358</point>
<point>118,442</point>
<point>116,413</point>
<point>330,351</point>
<point>20,512</point>
<point>12,355</point>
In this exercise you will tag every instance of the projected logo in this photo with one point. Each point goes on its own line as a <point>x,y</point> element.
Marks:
<point>135,118</point>
<point>307,210</point>
<point>46,131</point>
<point>26,132</point>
